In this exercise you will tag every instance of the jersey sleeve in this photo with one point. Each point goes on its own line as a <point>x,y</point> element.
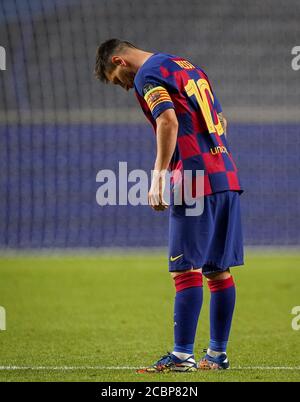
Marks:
<point>155,93</point>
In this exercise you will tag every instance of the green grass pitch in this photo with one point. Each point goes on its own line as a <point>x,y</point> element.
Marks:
<point>96,318</point>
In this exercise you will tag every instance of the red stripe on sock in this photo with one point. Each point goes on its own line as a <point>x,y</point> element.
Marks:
<point>216,286</point>
<point>188,280</point>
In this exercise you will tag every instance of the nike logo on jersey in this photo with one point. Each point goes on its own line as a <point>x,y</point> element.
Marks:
<point>172,259</point>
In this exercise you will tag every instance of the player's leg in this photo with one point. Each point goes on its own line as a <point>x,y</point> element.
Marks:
<point>222,302</point>
<point>187,306</point>
<point>226,251</point>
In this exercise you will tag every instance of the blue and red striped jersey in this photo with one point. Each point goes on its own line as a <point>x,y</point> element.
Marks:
<point>165,81</point>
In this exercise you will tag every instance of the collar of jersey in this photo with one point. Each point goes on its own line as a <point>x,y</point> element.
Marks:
<point>143,65</point>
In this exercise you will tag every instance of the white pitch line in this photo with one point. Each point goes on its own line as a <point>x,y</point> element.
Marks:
<point>74,368</point>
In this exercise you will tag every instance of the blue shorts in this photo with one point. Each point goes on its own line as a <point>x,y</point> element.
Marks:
<point>212,241</point>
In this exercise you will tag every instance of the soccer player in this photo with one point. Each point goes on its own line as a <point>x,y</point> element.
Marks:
<point>178,99</point>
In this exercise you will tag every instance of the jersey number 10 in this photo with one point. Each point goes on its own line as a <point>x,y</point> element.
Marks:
<point>202,91</point>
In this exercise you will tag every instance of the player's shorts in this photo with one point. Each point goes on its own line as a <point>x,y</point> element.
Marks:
<point>212,241</point>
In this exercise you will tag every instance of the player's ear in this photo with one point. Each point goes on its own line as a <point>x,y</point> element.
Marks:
<point>118,61</point>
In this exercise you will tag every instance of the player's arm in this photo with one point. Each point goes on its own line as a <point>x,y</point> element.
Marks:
<point>166,136</point>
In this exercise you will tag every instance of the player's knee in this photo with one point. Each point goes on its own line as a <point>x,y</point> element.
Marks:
<point>175,274</point>
<point>218,276</point>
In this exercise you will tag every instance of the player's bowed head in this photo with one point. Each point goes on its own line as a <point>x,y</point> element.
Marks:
<point>118,61</point>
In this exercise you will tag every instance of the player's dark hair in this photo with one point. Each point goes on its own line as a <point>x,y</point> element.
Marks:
<point>103,56</point>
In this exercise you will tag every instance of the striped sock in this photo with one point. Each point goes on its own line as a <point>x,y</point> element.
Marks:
<point>188,302</point>
<point>222,304</point>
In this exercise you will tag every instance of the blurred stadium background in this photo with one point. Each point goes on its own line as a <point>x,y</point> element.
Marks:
<point>59,127</point>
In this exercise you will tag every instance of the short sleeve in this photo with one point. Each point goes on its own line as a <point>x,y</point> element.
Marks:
<point>156,95</point>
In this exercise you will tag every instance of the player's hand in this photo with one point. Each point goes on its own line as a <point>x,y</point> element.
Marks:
<point>155,195</point>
